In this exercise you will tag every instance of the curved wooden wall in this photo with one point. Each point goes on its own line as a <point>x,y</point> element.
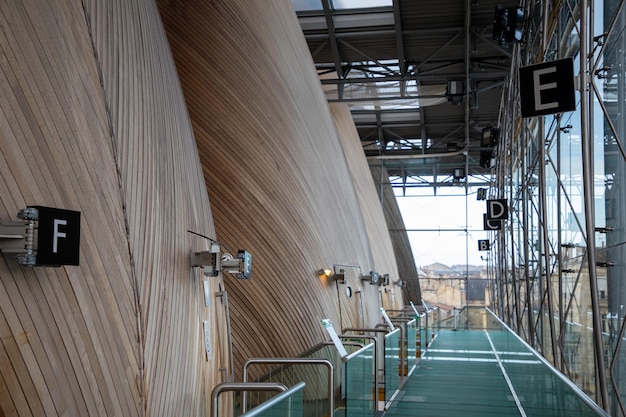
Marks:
<point>400,239</point>
<point>277,175</point>
<point>384,258</point>
<point>92,119</point>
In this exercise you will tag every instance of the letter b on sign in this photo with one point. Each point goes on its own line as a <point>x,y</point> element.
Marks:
<point>483,245</point>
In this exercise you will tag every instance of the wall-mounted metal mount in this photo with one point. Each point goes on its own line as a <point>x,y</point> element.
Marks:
<point>19,237</point>
<point>46,237</point>
<point>240,266</point>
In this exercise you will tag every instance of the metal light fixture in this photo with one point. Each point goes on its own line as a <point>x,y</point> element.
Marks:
<point>340,276</point>
<point>455,90</point>
<point>384,280</point>
<point>372,278</point>
<point>325,272</point>
<point>240,266</point>
<point>458,173</point>
<point>508,25</point>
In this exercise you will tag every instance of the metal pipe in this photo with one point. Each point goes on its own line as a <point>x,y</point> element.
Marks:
<point>295,361</point>
<point>543,216</point>
<point>466,119</point>
<point>420,156</point>
<point>526,243</point>
<point>588,194</point>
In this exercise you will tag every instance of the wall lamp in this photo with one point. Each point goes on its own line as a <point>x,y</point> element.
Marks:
<point>340,276</point>
<point>240,266</point>
<point>325,272</point>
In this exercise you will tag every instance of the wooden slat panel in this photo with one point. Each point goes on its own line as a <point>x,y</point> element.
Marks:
<point>92,119</point>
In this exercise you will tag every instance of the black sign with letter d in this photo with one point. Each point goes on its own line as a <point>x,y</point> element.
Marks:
<point>58,240</point>
<point>497,209</point>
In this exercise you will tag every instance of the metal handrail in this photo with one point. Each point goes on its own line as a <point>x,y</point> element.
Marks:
<point>241,386</point>
<point>364,329</point>
<point>261,408</point>
<point>319,346</point>
<point>294,361</point>
<point>580,393</point>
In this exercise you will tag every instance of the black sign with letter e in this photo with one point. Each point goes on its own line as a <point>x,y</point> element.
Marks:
<point>484,245</point>
<point>547,88</point>
<point>489,224</point>
<point>497,209</point>
<point>58,240</point>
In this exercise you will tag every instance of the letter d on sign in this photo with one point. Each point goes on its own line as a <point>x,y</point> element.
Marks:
<point>497,209</point>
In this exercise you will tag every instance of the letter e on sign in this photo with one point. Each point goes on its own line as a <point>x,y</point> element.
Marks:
<point>547,88</point>
<point>58,238</point>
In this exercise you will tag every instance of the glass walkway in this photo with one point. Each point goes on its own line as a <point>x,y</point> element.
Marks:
<point>483,370</point>
<point>486,373</point>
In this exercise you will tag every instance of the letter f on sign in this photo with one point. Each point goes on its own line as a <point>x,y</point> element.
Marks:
<point>56,234</point>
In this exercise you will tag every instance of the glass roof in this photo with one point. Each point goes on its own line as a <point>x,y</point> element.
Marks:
<point>311,5</point>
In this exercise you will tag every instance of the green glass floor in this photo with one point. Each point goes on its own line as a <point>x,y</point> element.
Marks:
<point>459,375</point>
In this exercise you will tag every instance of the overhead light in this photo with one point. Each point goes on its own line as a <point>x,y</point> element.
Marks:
<point>490,137</point>
<point>508,25</point>
<point>455,91</point>
<point>458,173</point>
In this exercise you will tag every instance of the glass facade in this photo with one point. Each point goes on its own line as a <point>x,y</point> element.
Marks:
<point>560,261</point>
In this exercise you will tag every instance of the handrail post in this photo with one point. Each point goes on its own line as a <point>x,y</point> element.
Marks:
<point>373,338</point>
<point>376,364</point>
<point>295,361</point>
<point>241,386</point>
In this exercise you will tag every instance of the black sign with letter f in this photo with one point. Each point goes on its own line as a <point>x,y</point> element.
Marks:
<point>58,240</point>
